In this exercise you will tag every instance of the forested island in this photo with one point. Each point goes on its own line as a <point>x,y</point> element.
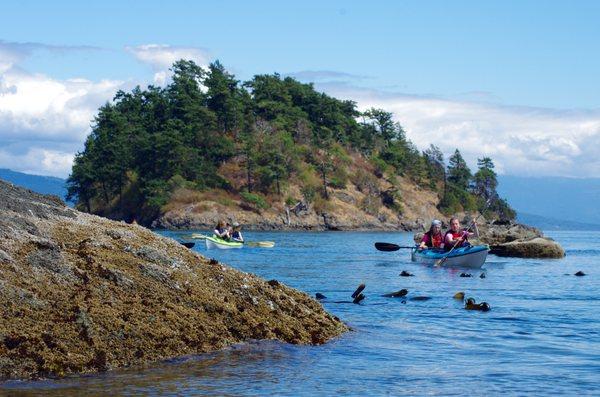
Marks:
<point>273,148</point>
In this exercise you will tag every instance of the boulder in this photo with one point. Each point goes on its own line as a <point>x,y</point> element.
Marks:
<point>80,293</point>
<point>538,247</point>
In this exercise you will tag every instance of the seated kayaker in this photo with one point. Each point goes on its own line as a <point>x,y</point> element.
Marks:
<point>221,230</point>
<point>236,235</point>
<point>456,238</point>
<point>434,237</point>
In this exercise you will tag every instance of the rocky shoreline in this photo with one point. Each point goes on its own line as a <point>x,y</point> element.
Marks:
<point>80,293</point>
<point>505,239</point>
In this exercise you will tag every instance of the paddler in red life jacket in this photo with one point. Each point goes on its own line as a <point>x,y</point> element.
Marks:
<point>433,238</point>
<point>455,237</point>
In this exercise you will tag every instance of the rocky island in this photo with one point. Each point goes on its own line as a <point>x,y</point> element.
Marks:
<point>80,293</point>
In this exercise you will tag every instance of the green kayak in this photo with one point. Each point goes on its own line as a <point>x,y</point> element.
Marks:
<point>219,243</point>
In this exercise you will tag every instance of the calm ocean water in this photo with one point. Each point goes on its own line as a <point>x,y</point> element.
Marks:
<point>542,335</point>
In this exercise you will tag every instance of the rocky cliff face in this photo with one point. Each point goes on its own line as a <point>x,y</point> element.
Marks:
<point>349,208</point>
<point>79,293</point>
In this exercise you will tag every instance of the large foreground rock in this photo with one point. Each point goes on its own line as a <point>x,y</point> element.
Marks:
<point>79,293</point>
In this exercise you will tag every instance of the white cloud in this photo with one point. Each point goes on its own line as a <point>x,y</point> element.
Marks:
<point>44,114</point>
<point>162,56</point>
<point>325,75</point>
<point>520,140</point>
<point>38,161</point>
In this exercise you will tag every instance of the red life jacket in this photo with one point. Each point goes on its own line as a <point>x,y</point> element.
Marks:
<point>455,236</point>
<point>435,241</point>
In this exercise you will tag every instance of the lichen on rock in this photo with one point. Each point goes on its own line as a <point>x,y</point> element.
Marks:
<point>80,293</point>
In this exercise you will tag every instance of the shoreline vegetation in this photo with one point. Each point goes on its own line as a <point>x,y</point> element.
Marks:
<point>270,152</point>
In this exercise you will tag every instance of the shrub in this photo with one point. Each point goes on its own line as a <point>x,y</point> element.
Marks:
<point>380,166</point>
<point>322,206</point>
<point>370,204</point>
<point>255,201</point>
<point>290,201</point>
<point>309,192</point>
<point>365,182</point>
<point>339,178</point>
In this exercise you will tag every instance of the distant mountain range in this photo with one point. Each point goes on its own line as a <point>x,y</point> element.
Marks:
<point>551,202</point>
<point>544,223</point>
<point>37,183</point>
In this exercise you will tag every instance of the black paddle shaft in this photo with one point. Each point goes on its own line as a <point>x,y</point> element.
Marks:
<point>390,247</point>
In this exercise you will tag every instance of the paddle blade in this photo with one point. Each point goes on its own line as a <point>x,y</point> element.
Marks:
<point>387,247</point>
<point>186,244</point>
<point>440,262</point>
<point>261,244</point>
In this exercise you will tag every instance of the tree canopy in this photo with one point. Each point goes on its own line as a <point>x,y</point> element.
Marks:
<point>147,143</point>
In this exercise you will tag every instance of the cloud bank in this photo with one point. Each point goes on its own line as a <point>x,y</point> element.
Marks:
<point>44,121</point>
<point>162,56</point>
<point>521,140</point>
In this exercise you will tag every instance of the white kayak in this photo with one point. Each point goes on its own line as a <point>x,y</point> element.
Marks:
<point>215,242</point>
<point>472,257</point>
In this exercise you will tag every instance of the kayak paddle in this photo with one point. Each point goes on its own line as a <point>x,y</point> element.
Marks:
<point>260,244</point>
<point>187,244</point>
<point>390,247</point>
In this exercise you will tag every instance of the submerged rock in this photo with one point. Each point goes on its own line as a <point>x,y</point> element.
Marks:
<point>79,293</point>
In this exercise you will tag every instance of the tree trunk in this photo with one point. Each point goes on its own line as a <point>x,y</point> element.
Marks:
<point>324,180</point>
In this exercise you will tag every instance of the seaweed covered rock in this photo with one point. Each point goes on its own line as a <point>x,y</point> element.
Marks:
<point>535,248</point>
<point>79,293</point>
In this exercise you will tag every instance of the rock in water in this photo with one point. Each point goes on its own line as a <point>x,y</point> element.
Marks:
<point>79,293</point>
<point>538,247</point>
<point>580,273</point>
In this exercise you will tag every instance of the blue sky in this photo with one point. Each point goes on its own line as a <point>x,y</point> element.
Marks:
<point>522,70</point>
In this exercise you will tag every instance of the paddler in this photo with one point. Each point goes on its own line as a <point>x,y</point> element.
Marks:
<point>434,237</point>
<point>236,235</point>
<point>456,238</point>
<point>221,230</point>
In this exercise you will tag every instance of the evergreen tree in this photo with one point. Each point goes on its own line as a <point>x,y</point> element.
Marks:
<point>484,180</point>
<point>459,173</point>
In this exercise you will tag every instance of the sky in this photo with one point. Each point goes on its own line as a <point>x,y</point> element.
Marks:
<point>514,80</point>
